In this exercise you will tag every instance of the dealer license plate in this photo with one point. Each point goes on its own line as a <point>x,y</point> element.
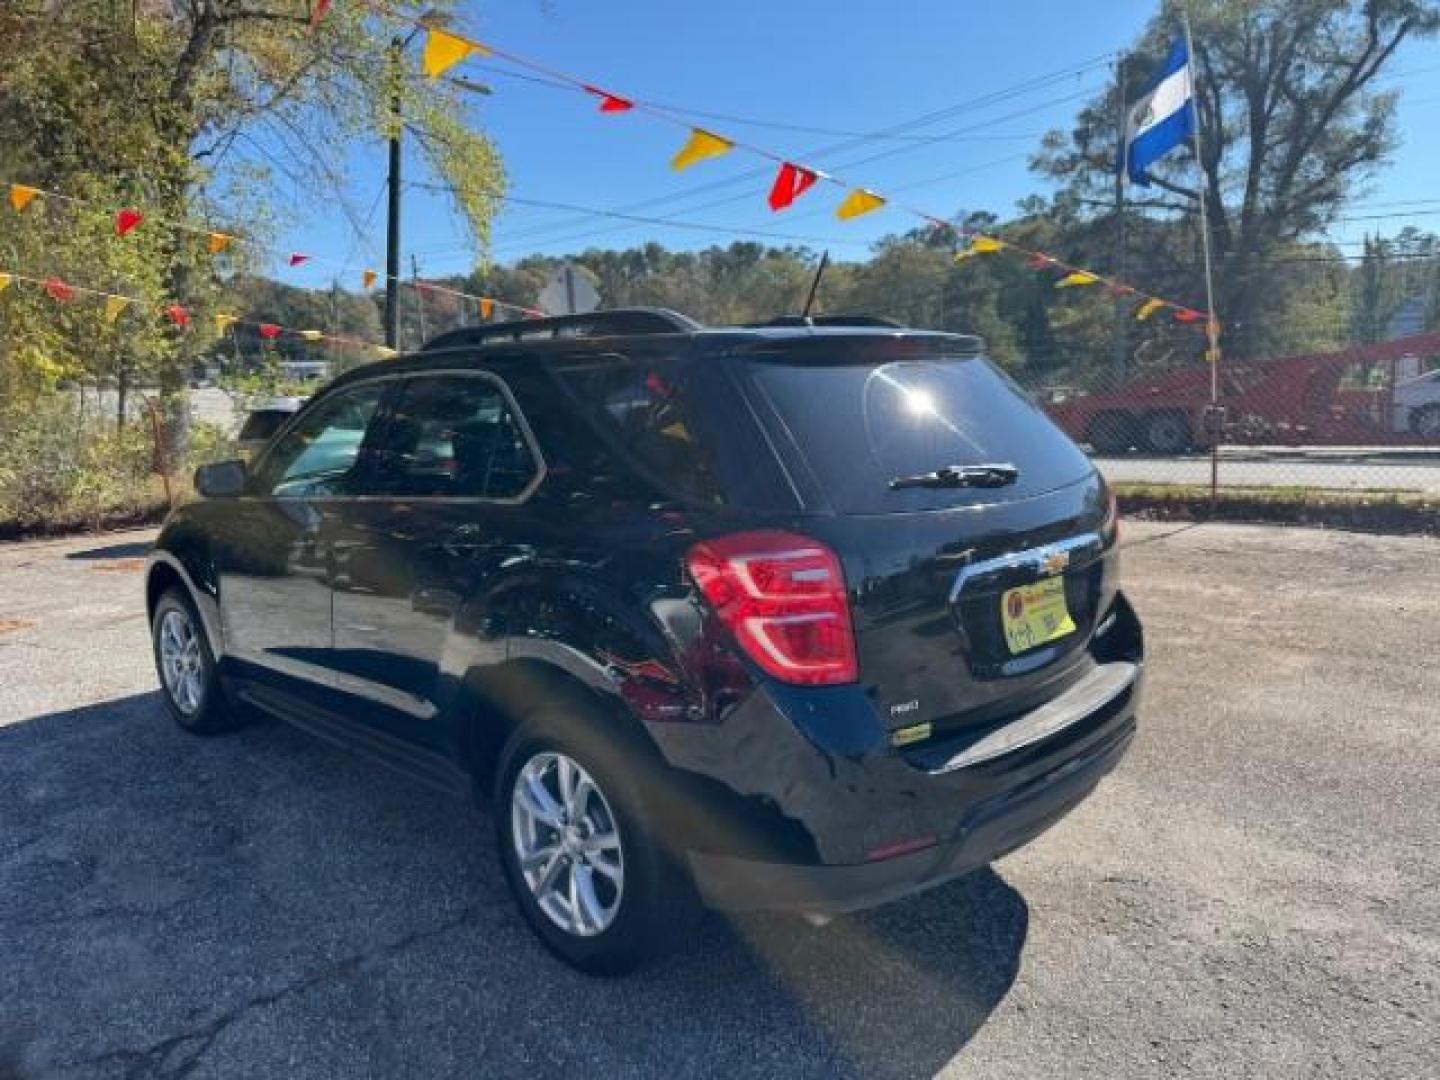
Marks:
<point>1035,614</point>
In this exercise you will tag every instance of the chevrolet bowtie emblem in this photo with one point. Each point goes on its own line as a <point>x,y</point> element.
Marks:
<point>1055,562</point>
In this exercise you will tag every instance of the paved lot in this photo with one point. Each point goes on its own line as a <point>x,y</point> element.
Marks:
<point>1256,892</point>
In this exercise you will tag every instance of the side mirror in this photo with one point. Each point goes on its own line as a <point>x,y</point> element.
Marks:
<point>221,479</point>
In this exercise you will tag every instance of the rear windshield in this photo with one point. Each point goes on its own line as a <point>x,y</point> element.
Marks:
<point>860,425</point>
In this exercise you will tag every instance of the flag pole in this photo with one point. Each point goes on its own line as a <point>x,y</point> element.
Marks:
<point>1212,323</point>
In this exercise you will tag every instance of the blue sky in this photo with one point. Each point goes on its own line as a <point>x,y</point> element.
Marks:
<point>835,66</point>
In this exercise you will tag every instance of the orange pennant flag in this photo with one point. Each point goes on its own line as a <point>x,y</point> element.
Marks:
<point>1188,315</point>
<point>487,307</point>
<point>443,51</point>
<point>22,196</point>
<point>701,145</point>
<point>218,242</point>
<point>368,278</point>
<point>859,201</point>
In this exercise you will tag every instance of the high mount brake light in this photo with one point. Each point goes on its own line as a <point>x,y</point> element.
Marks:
<point>783,597</point>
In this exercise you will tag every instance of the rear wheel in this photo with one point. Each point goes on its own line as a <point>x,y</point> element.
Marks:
<point>1111,433</point>
<point>586,866</point>
<point>1167,433</point>
<point>189,676</point>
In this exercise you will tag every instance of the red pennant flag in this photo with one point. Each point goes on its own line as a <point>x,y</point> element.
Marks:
<point>791,182</point>
<point>321,7</point>
<point>296,258</point>
<point>611,102</point>
<point>1117,290</point>
<point>125,220</point>
<point>178,315</point>
<point>269,330</point>
<point>59,290</point>
<point>1188,315</point>
<point>1039,262</point>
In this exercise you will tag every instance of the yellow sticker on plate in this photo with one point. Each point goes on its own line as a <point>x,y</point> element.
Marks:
<point>1035,614</point>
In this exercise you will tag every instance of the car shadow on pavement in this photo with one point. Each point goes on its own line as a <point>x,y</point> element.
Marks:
<point>265,904</point>
<point>134,549</point>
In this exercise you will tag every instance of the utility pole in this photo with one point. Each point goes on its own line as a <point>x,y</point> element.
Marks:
<point>392,232</point>
<point>419,296</point>
<point>1122,323</point>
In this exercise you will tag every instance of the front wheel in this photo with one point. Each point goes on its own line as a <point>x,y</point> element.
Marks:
<point>591,876</point>
<point>189,677</point>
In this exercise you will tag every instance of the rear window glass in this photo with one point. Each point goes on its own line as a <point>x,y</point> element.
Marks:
<point>644,404</point>
<point>860,425</point>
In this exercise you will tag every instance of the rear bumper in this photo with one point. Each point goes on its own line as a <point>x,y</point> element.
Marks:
<point>987,831</point>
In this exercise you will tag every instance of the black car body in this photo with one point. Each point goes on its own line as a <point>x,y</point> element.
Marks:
<point>688,542</point>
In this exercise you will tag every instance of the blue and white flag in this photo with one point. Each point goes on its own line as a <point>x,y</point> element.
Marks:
<point>1161,120</point>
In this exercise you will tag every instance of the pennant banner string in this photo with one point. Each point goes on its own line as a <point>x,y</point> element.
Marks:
<point>116,303</point>
<point>703,143</point>
<point>217,242</point>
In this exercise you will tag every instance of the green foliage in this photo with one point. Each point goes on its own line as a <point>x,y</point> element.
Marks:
<point>1292,126</point>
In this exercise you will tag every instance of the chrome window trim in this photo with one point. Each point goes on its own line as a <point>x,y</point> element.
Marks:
<point>1032,558</point>
<point>541,467</point>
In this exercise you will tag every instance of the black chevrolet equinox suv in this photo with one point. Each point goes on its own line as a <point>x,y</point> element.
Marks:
<point>797,617</point>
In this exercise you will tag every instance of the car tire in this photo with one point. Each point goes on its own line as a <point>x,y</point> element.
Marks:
<point>189,676</point>
<point>1111,433</point>
<point>617,896</point>
<point>1425,422</point>
<point>1167,433</point>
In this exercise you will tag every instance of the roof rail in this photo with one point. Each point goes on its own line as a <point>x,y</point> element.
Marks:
<point>626,321</point>
<point>831,320</point>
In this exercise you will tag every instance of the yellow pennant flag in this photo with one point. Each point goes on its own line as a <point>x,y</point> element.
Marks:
<point>311,335</point>
<point>368,278</point>
<point>443,51</point>
<point>219,241</point>
<point>487,307</point>
<point>114,305</point>
<point>5,280</point>
<point>859,201</point>
<point>1148,308</point>
<point>702,145</point>
<point>1076,277</point>
<point>385,352</point>
<point>224,322</point>
<point>981,245</point>
<point>22,196</point>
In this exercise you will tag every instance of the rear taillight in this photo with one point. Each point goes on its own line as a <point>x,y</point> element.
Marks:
<point>783,597</point>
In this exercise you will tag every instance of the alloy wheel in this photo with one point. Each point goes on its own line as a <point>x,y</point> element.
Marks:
<point>567,844</point>
<point>181,662</point>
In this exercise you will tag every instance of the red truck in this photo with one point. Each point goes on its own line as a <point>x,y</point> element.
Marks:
<point>1366,395</point>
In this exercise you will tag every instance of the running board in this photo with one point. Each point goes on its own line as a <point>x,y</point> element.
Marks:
<point>423,766</point>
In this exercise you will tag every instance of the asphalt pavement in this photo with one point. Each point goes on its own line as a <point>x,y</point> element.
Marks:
<point>1254,892</point>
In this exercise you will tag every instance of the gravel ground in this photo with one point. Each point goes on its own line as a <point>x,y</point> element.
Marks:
<point>1255,892</point>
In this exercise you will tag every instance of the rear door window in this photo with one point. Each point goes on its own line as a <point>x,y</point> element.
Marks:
<point>454,436</point>
<point>859,425</point>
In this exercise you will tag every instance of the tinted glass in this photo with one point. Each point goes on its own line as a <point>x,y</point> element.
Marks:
<point>644,405</point>
<point>860,425</point>
<point>318,455</point>
<point>453,436</point>
<point>263,423</point>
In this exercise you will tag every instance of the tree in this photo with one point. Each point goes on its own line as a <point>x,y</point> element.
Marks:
<point>145,102</point>
<point>1291,123</point>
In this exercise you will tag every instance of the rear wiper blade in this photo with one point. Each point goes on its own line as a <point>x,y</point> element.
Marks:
<point>995,475</point>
